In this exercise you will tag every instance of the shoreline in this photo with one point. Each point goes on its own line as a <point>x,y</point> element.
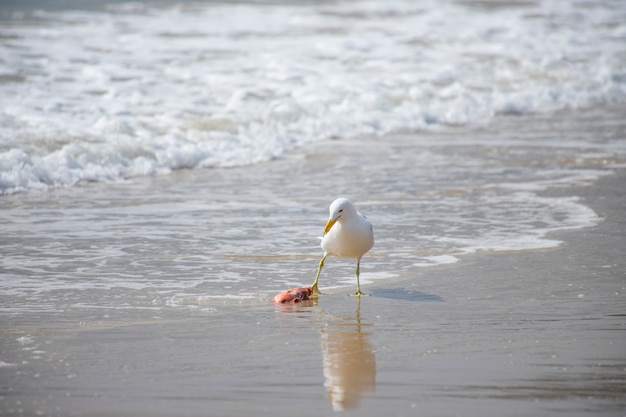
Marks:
<point>534,332</point>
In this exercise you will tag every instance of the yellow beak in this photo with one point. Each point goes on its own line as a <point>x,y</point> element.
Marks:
<point>329,225</point>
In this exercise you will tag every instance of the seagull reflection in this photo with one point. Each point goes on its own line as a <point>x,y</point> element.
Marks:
<point>349,361</point>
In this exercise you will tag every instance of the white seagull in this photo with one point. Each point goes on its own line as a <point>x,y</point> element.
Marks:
<point>348,234</point>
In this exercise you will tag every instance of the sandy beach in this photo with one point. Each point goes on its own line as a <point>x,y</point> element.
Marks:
<point>166,169</point>
<point>537,332</point>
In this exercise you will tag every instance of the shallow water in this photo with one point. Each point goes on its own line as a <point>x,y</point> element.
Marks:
<point>488,347</point>
<point>122,293</point>
<point>152,296</point>
<point>199,235</point>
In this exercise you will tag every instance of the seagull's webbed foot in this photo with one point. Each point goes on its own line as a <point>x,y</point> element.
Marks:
<point>315,290</point>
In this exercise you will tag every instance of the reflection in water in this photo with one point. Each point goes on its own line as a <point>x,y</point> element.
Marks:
<point>349,361</point>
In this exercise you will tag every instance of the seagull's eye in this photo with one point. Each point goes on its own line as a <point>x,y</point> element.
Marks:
<point>341,211</point>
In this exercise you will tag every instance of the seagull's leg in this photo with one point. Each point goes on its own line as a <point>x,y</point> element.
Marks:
<point>358,292</point>
<point>319,269</point>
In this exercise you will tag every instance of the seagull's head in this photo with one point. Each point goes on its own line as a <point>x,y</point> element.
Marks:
<point>339,210</point>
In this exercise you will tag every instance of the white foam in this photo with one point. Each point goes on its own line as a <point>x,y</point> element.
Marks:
<point>436,260</point>
<point>520,221</point>
<point>103,96</point>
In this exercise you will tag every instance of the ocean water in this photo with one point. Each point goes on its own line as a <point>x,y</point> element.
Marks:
<point>444,121</point>
<point>166,168</point>
<point>105,92</point>
<point>201,238</point>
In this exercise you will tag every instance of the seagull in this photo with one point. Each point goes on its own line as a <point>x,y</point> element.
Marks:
<point>348,234</point>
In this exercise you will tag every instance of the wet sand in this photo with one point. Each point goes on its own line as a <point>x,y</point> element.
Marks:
<point>496,334</point>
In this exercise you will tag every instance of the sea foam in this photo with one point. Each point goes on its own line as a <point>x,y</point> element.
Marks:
<point>139,90</point>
